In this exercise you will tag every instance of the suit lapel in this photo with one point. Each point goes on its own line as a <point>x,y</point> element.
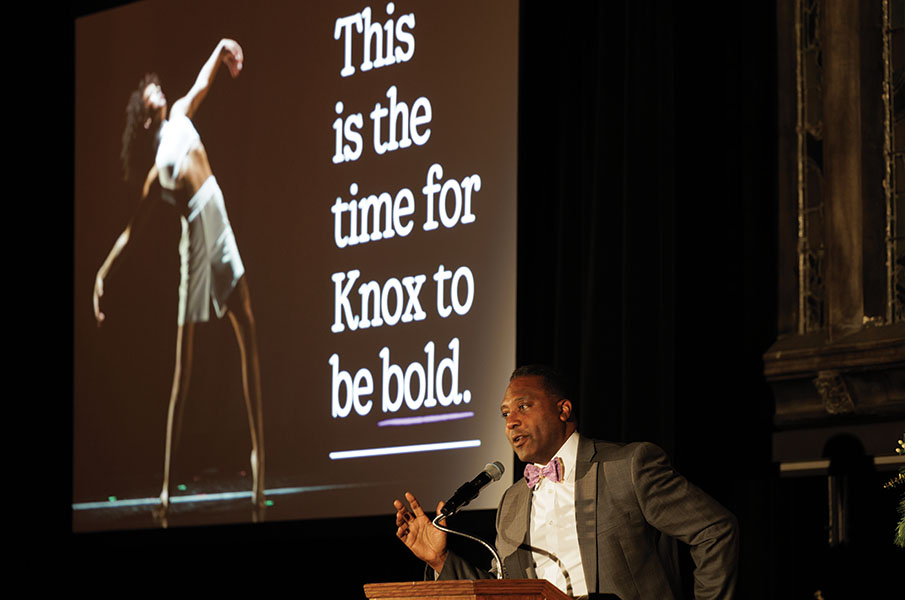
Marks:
<point>525,559</point>
<point>512,541</point>
<point>586,509</point>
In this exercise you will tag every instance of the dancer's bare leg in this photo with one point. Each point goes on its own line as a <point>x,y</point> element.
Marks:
<point>178,395</point>
<point>243,321</point>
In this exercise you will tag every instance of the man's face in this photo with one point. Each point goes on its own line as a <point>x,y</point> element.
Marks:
<point>536,423</point>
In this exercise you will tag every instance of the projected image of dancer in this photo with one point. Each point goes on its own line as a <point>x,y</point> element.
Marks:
<point>168,156</point>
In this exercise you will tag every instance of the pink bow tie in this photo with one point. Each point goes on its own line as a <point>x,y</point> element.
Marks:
<point>553,471</point>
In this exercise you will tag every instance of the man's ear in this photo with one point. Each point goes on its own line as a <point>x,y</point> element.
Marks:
<point>565,410</point>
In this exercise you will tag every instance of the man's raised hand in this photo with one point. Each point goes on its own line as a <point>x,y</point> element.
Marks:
<point>417,532</point>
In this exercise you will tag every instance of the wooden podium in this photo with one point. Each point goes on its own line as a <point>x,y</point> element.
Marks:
<point>489,589</point>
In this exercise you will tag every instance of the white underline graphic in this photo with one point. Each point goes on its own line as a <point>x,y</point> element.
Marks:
<point>366,452</point>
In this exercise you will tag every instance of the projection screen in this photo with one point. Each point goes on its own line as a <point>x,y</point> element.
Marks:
<point>330,239</point>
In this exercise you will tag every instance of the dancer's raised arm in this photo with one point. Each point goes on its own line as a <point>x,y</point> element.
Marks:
<point>122,243</point>
<point>228,52</point>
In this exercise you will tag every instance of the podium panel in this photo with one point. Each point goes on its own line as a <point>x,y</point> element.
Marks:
<point>495,589</point>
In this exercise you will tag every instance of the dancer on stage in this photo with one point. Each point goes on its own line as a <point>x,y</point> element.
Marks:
<point>211,270</point>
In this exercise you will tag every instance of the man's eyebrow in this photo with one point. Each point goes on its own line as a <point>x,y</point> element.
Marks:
<point>516,400</point>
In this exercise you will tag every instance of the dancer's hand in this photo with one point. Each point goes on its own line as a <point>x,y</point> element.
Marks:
<point>416,531</point>
<point>232,55</point>
<point>98,292</point>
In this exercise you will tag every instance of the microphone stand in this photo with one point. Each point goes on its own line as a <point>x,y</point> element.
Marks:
<point>498,571</point>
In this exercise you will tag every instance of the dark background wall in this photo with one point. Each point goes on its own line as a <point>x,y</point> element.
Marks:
<point>647,253</point>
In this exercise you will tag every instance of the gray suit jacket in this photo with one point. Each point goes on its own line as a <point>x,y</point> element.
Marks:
<point>630,507</point>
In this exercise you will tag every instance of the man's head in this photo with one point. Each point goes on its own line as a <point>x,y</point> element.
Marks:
<point>145,111</point>
<point>538,415</point>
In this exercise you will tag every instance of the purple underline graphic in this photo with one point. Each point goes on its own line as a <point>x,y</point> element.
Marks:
<point>402,421</point>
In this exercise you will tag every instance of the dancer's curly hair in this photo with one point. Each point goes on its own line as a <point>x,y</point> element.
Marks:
<point>138,143</point>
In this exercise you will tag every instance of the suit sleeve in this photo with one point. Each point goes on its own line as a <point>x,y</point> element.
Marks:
<point>457,567</point>
<point>681,510</point>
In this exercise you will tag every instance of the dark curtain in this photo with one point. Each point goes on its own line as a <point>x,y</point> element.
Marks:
<point>596,200</point>
<point>646,195</point>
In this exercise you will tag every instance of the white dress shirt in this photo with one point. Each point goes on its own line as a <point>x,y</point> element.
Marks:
<point>553,535</point>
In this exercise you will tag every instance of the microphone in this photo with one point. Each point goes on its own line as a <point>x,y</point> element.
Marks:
<point>470,490</point>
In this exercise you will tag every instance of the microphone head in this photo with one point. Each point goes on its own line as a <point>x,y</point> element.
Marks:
<point>495,470</point>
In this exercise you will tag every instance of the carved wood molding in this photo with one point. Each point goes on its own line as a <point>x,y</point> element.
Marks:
<point>832,389</point>
<point>856,376</point>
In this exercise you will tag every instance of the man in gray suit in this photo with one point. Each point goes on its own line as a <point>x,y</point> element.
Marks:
<point>596,518</point>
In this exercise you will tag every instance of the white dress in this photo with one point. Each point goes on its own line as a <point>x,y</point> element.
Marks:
<point>210,265</point>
